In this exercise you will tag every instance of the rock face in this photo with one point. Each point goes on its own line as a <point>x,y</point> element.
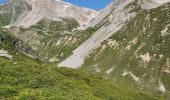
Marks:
<point>29,12</point>
<point>16,44</point>
<point>25,49</point>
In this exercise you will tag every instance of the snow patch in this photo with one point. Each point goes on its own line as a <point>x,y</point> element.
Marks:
<point>54,59</point>
<point>125,73</point>
<point>161,56</point>
<point>111,43</point>
<point>135,78</point>
<point>164,31</point>
<point>162,87</point>
<point>7,26</point>
<point>103,47</point>
<point>58,43</point>
<point>128,47</point>
<point>146,59</point>
<point>4,53</point>
<point>109,70</point>
<point>97,69</point>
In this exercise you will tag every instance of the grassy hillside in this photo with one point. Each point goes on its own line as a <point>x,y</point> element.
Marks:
<point>22,78</point>
<point>138,54</point>
<point>53,40</point>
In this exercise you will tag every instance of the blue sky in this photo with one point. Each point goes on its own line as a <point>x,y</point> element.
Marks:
<point>2,1</point>
<point>93,4</point>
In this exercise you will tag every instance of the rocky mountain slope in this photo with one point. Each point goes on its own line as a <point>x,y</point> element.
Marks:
<point>29,12</point>
<point>49,37</point>
<point>127,42</point>
<point>131,45</point>
<point>22,77</point>
<point>119,14</point>
<point>138,53</point>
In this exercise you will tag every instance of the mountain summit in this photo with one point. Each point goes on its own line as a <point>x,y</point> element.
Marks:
<point>32,11</point>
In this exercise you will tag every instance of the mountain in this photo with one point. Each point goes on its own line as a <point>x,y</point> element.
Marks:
<point>28,12</point>
<point>126,43</point>
<point>138,53</point>
<point>131,45</point>
<point>25,78</point>
<point>49,37</point>
<point>120,13</point>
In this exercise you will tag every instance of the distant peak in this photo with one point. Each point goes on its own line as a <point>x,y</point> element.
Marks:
<point>49,9</point>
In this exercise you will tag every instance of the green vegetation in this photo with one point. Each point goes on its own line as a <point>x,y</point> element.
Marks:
<point>23,78</point>
<point>55,27</point>
<point>144,35</point>
<point>54,40</point>
<point>4,19</point>
<point>132,76</point>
